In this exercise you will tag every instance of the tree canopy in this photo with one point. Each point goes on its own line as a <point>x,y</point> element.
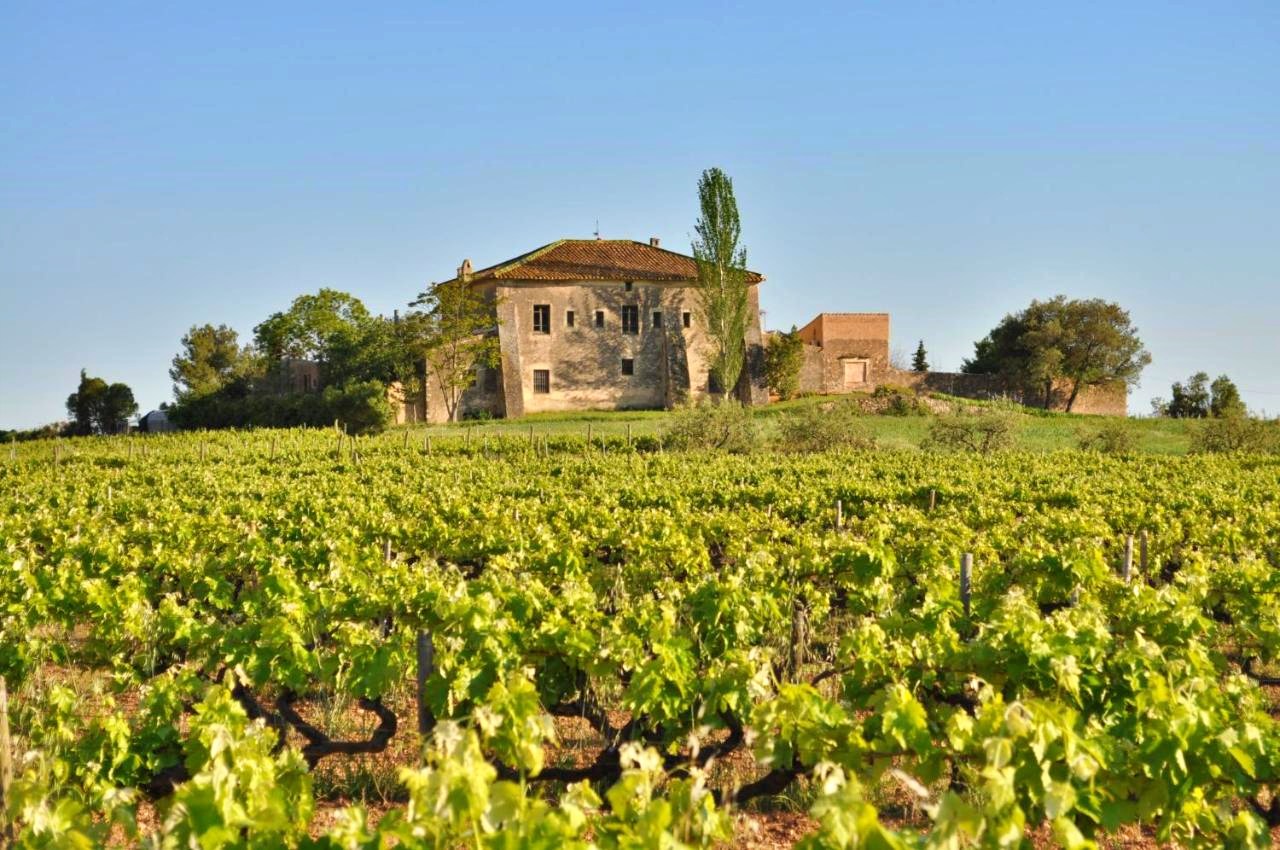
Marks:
<point>783,357</point>
<point>210,360</point>
<point>336,330</point>
<point>1197,398</point>
<point>455,332</point>
<point>1079,342</point>
<point>97,407</point>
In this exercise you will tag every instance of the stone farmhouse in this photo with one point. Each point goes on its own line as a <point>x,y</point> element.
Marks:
<point>611,324</point>
<point>597,324</point>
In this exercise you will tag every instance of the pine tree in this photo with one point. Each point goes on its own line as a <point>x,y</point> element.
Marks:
<point>920,360</point>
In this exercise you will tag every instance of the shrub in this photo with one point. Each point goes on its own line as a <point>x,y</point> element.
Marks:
<point>362,407</point>
<point>989,430</point>
<point>898,401</point>
<point>821,427</point>
<point>1115,437</point>
<point>783,357</point>
<point>725,425</point>
<point>1236,433</point>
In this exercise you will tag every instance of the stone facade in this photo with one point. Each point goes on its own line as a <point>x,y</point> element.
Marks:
<point>597,325</point>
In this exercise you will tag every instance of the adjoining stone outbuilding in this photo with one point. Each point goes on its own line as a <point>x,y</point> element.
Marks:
<point>849,352</point>
<point>844,352</point>
<point>597,324</point>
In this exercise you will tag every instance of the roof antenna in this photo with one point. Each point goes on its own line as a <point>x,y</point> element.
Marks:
<point>597,230</point>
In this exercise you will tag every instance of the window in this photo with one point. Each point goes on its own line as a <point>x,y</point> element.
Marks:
<point>657,318</point>
<point>628,366</point>
<point>684,318</point>
<point>627,286</point>
<point>568,318</point>
<point>599,318</point>
<point>541,380</point>
<point>542,318</point>
<point>630,319</point>
<point>490,380</point>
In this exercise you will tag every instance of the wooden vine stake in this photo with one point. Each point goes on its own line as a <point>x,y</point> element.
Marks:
<point>406,438</point>
<point>933,500</point>
<point>1127,570</point>
<point>966,581</point>
<point>628,435</point>
<point>426,661</point>
<point>426,443</point>
<point>839,514</point>
<point>799,637</point>
<point>6,767</point>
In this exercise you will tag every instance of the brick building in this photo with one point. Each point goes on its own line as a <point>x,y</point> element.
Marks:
<point>844,352</point>
<point>596,324</point>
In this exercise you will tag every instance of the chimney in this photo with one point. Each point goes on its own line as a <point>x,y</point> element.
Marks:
<point>655,242</point>
<point>464,269</point>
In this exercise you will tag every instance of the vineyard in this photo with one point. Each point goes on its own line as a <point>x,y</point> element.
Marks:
<point>294,639</point>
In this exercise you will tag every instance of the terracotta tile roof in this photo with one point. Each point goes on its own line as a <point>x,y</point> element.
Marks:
<point>597,259</point>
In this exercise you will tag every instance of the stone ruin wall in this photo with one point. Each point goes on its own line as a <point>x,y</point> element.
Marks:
<point>1106,400</point>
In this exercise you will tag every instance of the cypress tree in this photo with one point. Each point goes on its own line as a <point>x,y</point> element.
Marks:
<point>920,360</point>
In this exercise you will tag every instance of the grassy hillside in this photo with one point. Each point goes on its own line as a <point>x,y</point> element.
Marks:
<point>1041,431</point>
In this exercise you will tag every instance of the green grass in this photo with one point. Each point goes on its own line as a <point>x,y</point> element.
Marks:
<point>1040,431</point>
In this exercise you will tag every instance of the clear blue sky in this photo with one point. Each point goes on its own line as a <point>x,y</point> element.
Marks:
<point>163,165</point>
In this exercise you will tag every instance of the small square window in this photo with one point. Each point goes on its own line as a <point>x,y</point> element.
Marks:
<point>657,318</point>
<point>490,380</point>
<point>542,318</point>
<point>541,380</point>
<point>628,366</point>
<point>599,318</point>
<point>684,318</point>
<point>630,319</point>
<point>568,318</point>
<point>627,286</point>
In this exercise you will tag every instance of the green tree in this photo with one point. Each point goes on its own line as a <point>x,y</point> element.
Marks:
<point>455,331</point>
<point>783,357</point>
<point>211,359</point>
<point>336,330</point>
<point>97,407</point>
<point>1224,398</point>
<point>920,360</point>
<point>1082,343</point>
<point>315,327</point>
<point>722,293</point>
<point>1190,400</point>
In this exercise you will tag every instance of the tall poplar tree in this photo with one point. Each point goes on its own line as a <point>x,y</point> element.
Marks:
<point>722,295</point>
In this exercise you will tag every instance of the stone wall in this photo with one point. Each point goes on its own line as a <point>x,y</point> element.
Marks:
<point>1107,400</point>
<point>821,372</point>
